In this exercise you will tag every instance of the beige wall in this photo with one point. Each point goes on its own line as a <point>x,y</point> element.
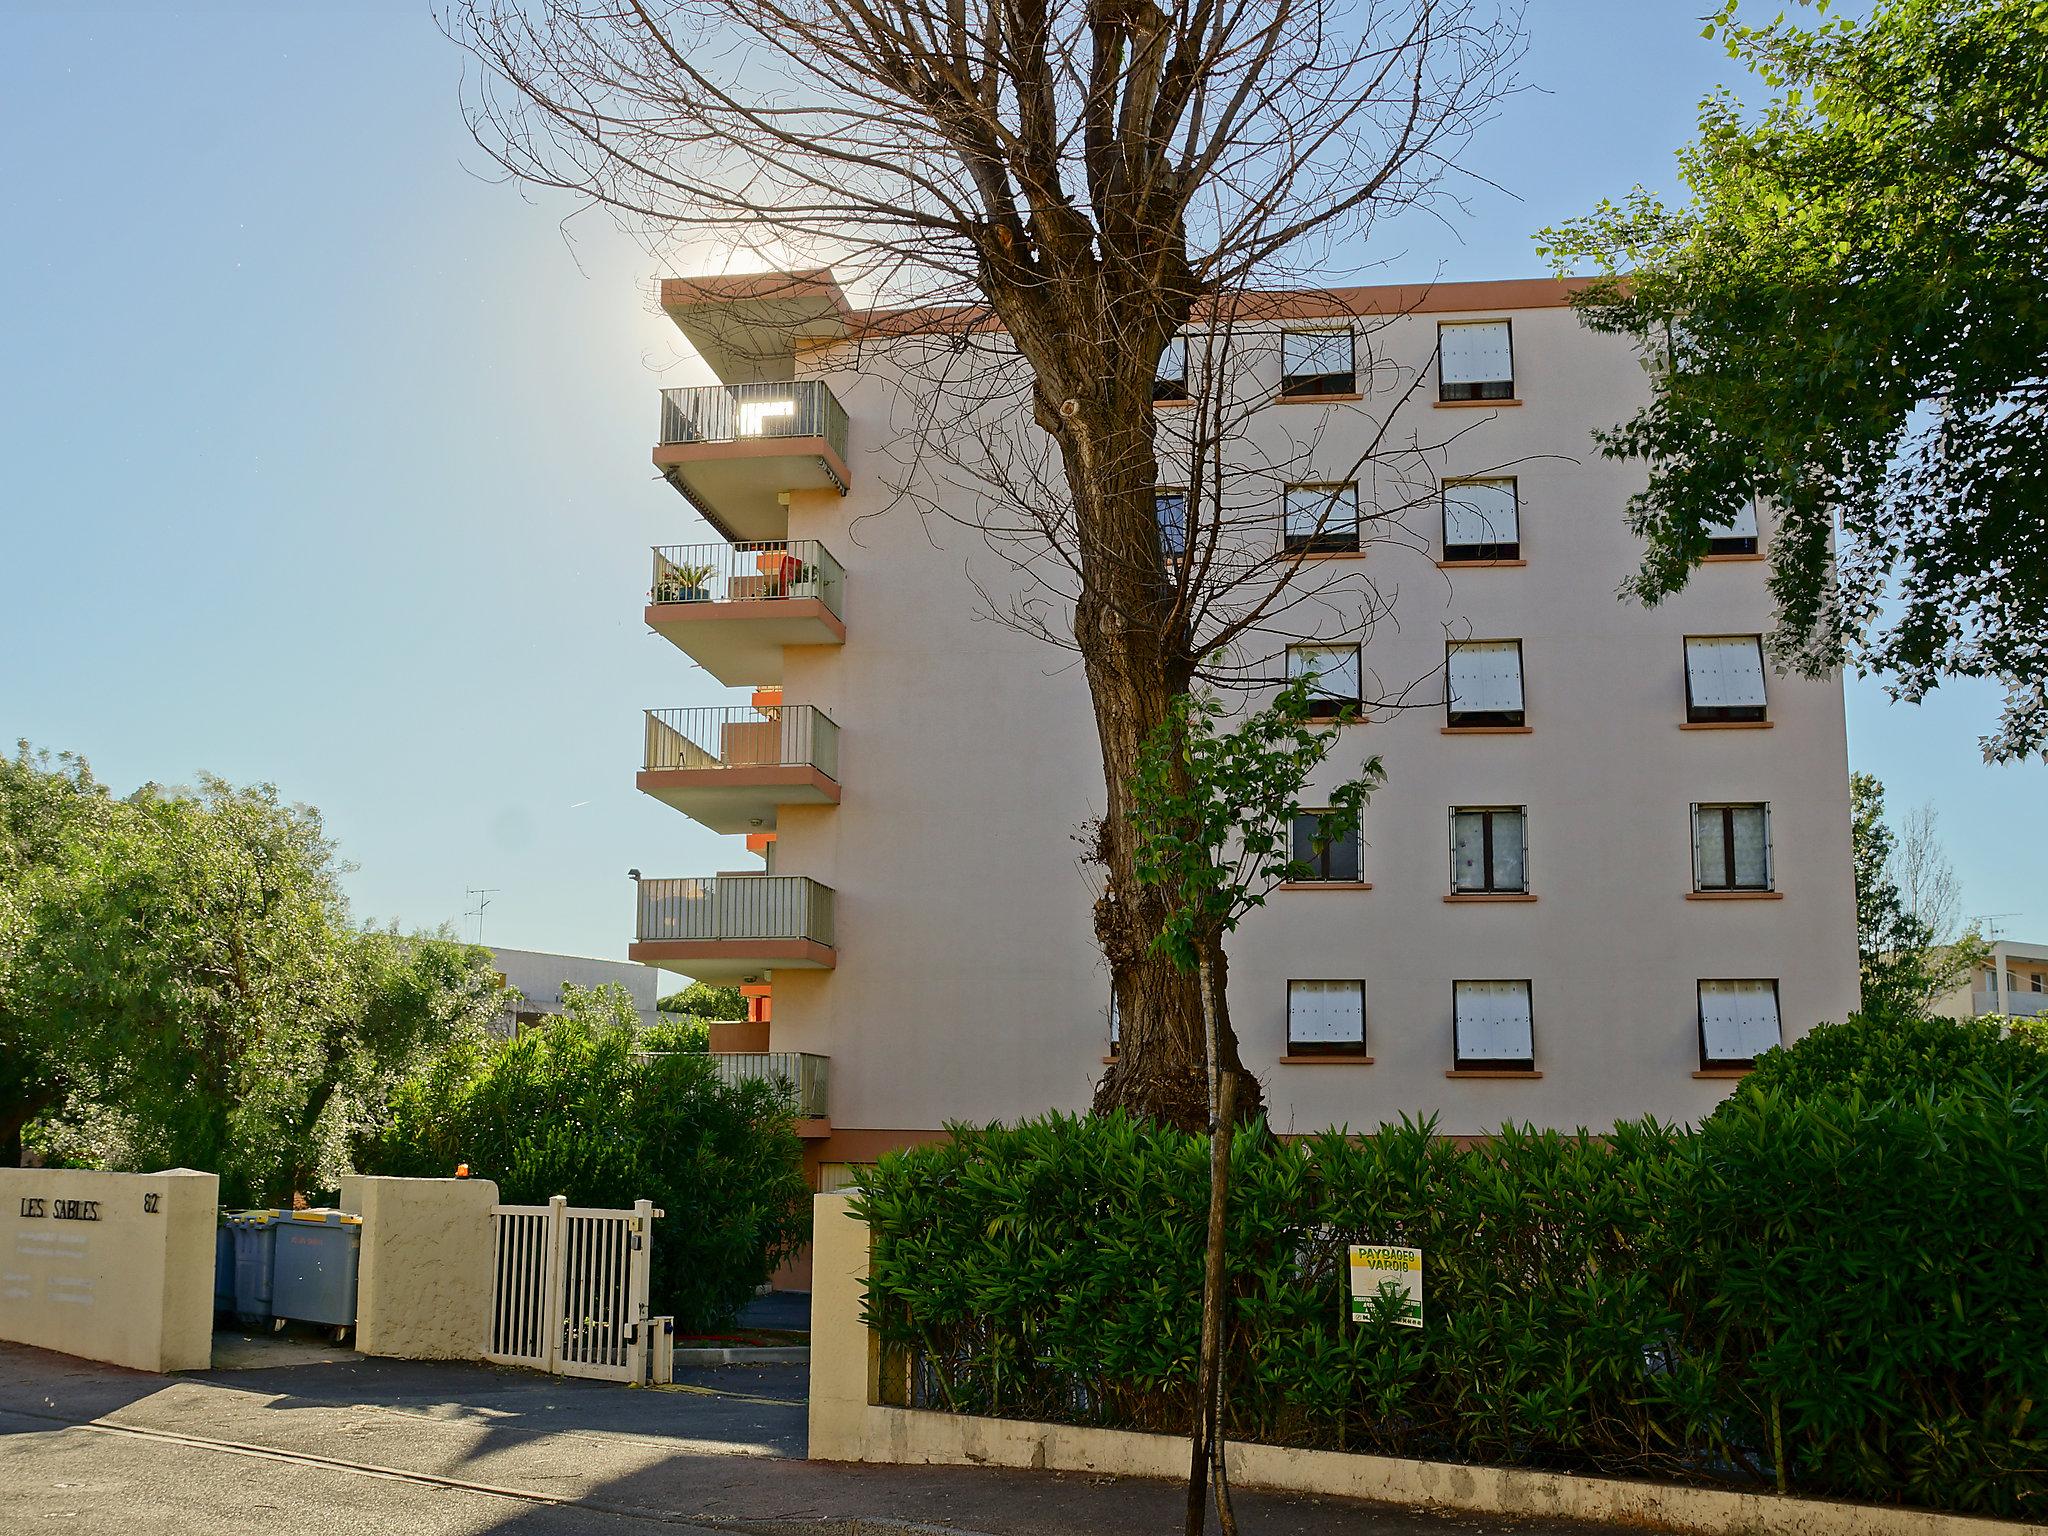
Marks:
<point>423,1288</point>
<point>110,1266</point>
<point>968,984</point>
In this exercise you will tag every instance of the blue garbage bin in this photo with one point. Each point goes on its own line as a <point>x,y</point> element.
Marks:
<point>313,1275</point>
<point>223,1271</point>
<point>254,1234</point>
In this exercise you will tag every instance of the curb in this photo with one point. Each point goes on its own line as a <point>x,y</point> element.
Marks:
<point>781,1354</point>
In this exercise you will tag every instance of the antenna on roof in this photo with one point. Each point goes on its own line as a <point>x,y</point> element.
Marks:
<point>483,895</point>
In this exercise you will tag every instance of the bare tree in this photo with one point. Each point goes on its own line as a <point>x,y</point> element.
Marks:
<point>1085,178</point>
<point>1932,896</point>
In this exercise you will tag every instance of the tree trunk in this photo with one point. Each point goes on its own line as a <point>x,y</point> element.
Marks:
<point>1206,1453</point>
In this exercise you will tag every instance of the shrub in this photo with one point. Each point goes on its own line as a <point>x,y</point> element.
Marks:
<point>1885,1055</point>
<point>575,1108</point>
<point>1842,1292</point>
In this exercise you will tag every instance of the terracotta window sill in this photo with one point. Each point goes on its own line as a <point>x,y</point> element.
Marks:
<point>1332,1059</point>
<point>1316,399</point>
<point>1734,895</point>
<point>1480,565</point>
<point>1720,1072</point>
<point>1726,725</point>
<point>1165,405</point>
<point>1490,1072</point>
<point>1490,896</point>
<point>1329,554</point>
<point>1324,885</point>
<point>1727,559</point>
<point>1472,405</point>
<point>1486,730</point>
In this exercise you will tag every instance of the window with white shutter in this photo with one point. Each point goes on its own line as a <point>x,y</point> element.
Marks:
<point>1489,850</point>
<point>1332,859</point>
<point>1485,682</point>
<point>1731,847</point>
<point>1724,678</point>
<point>1318,362</point>
<point>1325,1018</point>
<point>1475,360</point>
<point>1321,519</point>
<point>1482,520</point>
<point>1737,536</point>
<point>1493,1025</point>
<point>1336,676</point>
<point>1738,1022</point>
<point>1170,378</point>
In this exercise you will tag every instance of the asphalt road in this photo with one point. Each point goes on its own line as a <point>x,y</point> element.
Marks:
<point>333,1442</point>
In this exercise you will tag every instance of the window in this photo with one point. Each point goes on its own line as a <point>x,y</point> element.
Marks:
<point>1738,1022</point>
<point>1321,519</point>
<point>1317,363</point>
<point>1482,520</point>
<point>1335,859</point>
<point>1485,682</point>
<point>1731,847</point>
<point>1737,536</point>
<point>1724,677</point>
<point>1493,1027</point>
<point>1336,673</point>
<point>1170,378</point>
<point>1325,1018</point>
<point>1489,850</point>
<point>1172,507</point>
<point>1475,360</point>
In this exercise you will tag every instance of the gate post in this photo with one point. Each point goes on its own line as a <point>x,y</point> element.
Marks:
<point>640,1257</point>
<point>557,1320</point>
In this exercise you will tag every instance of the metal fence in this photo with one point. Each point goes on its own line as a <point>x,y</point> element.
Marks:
<point>736,907</point>
<point>742,736</point>
<point>747,573</point>
<point>730,413</point>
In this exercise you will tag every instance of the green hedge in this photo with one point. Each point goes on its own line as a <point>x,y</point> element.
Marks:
<point>1859,1282</point>
<point>577,1108</point>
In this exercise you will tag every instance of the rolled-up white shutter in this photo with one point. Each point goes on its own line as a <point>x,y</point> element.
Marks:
<point>1738,1020</point>
<point>1480,512</point>
<point>1725,671</point>
<point>1493,1021</point>
<point>1325,1013</point>
<point>1475,352</point>
<point>1741,524</point>
<point>1486,676</point>
<point>1335,666</point>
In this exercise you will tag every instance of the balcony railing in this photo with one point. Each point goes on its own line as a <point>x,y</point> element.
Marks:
<point>731,413</point>
<point>741,736</point>
<point>801,1073</point>
<point>736,907</point>
<point>2011,1004</point>
<point>748,573</point>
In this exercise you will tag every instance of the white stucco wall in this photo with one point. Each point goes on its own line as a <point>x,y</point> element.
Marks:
<point>539,975</point>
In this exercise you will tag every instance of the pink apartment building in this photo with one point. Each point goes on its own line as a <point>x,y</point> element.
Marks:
<point>1609,866</point>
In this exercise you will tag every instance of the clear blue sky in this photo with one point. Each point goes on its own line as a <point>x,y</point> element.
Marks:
<point>326,459</point>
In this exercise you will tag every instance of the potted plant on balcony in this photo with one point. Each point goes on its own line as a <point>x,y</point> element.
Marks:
<point>683,584</point>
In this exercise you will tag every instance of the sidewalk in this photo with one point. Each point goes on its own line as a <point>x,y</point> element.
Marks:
<point>416,1447</point>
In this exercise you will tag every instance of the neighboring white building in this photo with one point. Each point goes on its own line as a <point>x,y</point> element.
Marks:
<point>2012,983</point>
<point>538,977</point>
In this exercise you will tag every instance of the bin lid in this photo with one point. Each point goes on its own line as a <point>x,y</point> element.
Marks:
<point>254,1218</point>
<point>329,1218</point>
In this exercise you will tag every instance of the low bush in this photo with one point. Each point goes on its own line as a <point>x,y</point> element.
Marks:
<point>1841,1293</point>
<point>1884,1055</point>
<point>576,1107</point>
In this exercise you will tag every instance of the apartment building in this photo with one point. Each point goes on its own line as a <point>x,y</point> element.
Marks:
<point>2012,983</point>
<point>1610,863</point>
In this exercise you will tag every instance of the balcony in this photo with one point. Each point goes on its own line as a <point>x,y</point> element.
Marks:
<point>803,1075</point>
<point>733,449</point>
<point>731,608</point>
<point>725,928</point>
<point>732,768</point>
<point>2010,1004</point>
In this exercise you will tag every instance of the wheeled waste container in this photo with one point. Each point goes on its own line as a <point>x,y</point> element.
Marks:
<point>313,1275</point>
<point>254,1235</point>
<point>223,1271</point>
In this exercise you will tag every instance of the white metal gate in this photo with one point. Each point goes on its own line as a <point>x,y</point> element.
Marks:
<point>569,1289</point>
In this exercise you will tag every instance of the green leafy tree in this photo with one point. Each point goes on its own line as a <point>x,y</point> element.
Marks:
<point>1214,813</point>
<point>1850,314</point>
<point>1905,961</point>
<point>701,1000</point>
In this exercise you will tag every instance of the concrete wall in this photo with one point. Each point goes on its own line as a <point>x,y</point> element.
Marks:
<point>110,1266</point>
<point>539,976</point>
<point>968,984</point>
<point>846,1424</point>
<point>423,1289</point>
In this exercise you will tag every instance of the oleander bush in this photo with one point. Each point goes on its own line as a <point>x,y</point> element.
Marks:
<point>1884,1054</point>
<point>1841,1294</point>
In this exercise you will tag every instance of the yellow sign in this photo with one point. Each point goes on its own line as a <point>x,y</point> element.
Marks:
<point>1395,1273</point>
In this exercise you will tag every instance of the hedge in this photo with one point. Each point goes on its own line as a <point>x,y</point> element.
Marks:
<point>1838,1295</point>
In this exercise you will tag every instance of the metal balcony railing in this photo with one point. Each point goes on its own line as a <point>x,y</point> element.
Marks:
<point>748,573</point>
<point>736,907</point>
<point>803,1075</point>
<point>731,413</point>
<point>743,736</point>
<point>2011,1004</point>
